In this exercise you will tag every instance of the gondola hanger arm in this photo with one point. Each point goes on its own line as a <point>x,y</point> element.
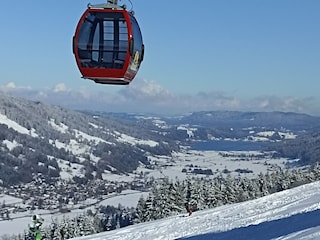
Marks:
<point>112,4</point>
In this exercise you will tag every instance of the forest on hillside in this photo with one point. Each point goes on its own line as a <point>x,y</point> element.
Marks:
<point>305,147</point>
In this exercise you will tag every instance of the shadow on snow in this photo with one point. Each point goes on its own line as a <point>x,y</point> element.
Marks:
<point>266,230</point>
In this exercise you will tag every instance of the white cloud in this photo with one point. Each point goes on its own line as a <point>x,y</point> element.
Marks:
<point>11,85</point>
<point>285,104</point>
<point>61,87</point>
<point>145,90</point>
<point>149,96</point>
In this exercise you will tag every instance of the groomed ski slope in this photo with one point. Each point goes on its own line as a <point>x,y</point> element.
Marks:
<point>291,214</point>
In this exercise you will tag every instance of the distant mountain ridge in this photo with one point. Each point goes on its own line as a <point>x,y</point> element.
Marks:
<point>218,125</point>
<point>277,120</point>
<point>59,143</point>
<point>214,119</point>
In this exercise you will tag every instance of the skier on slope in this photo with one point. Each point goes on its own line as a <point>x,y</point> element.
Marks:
<point>189,208</point>
<point>35,228</point>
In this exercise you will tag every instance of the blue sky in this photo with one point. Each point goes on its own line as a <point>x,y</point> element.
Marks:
<point>210,55</point>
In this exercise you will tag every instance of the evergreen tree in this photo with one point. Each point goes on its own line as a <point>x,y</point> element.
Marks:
<point>162,200</point>
<point>140,209</point>
<point>215,195</point>
<point>177,200</point>
<point>230,190</point>
<point>85,225</point>
<point>263,190</point>
<point>197,197</point>
<point>148,209</point>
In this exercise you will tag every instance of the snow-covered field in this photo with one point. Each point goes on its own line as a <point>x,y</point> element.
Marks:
<point>291,214</point>
<point>172,167</point>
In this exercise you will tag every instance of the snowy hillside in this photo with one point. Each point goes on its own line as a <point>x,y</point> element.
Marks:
<point>290,214</point>
<point>60,144</point>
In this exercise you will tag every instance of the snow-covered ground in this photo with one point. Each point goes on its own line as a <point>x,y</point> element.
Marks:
<point>291,214</point>
<point>217,161</point>
<point>172,166</point>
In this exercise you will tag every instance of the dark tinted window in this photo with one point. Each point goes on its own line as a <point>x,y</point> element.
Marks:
<point>103,40</point>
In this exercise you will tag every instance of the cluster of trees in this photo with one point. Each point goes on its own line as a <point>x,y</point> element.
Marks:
<point>169,198</point>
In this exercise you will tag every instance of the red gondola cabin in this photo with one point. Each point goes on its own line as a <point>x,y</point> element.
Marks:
<point>108,45</point>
